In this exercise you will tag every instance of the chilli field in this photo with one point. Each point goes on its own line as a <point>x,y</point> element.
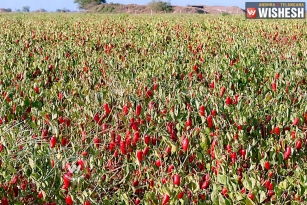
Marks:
<point>162,109</point>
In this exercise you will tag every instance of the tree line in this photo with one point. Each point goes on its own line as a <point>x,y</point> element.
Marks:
<point>27,9</point>
<point>155,5</point>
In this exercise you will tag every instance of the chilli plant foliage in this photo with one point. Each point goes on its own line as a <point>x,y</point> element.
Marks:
<point>138,109</point>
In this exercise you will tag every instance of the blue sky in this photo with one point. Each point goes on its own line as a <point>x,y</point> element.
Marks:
<point>52,5</point>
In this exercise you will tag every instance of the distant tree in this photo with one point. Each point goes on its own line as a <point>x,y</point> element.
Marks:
<point>18,10</point>
<point>42,10</point>
<point>63,10</point>
<point>5,10</point>
<point>158,5</point>
<point>86,4</point>
<point>26,9</point>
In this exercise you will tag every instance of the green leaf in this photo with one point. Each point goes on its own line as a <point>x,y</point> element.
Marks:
<point>263,196</point>
<point>222,179</point>
<point>31,163</point>
<point>232,185</point>
<point>239,196</point>
<point>27,102</point>
<point>228,201</point>
<point>283,185</point>
<point>97,98</point>
<point>106,201</point>
<point>199,156</point>
<point>87,98</point>
<point>247,183</point>
<point>207,130</point>
<point>249,201</point>
<point>54,116</point>
<point>253,182</point>
<point>174,148</point>
<point>11,168</point>
<point>221,200</point>
<point>303,190</point>
<point>125,198</point>
<point>214,197</point>
<point>204,146</point>
<point>44,194</point>
<point>172,115</point>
